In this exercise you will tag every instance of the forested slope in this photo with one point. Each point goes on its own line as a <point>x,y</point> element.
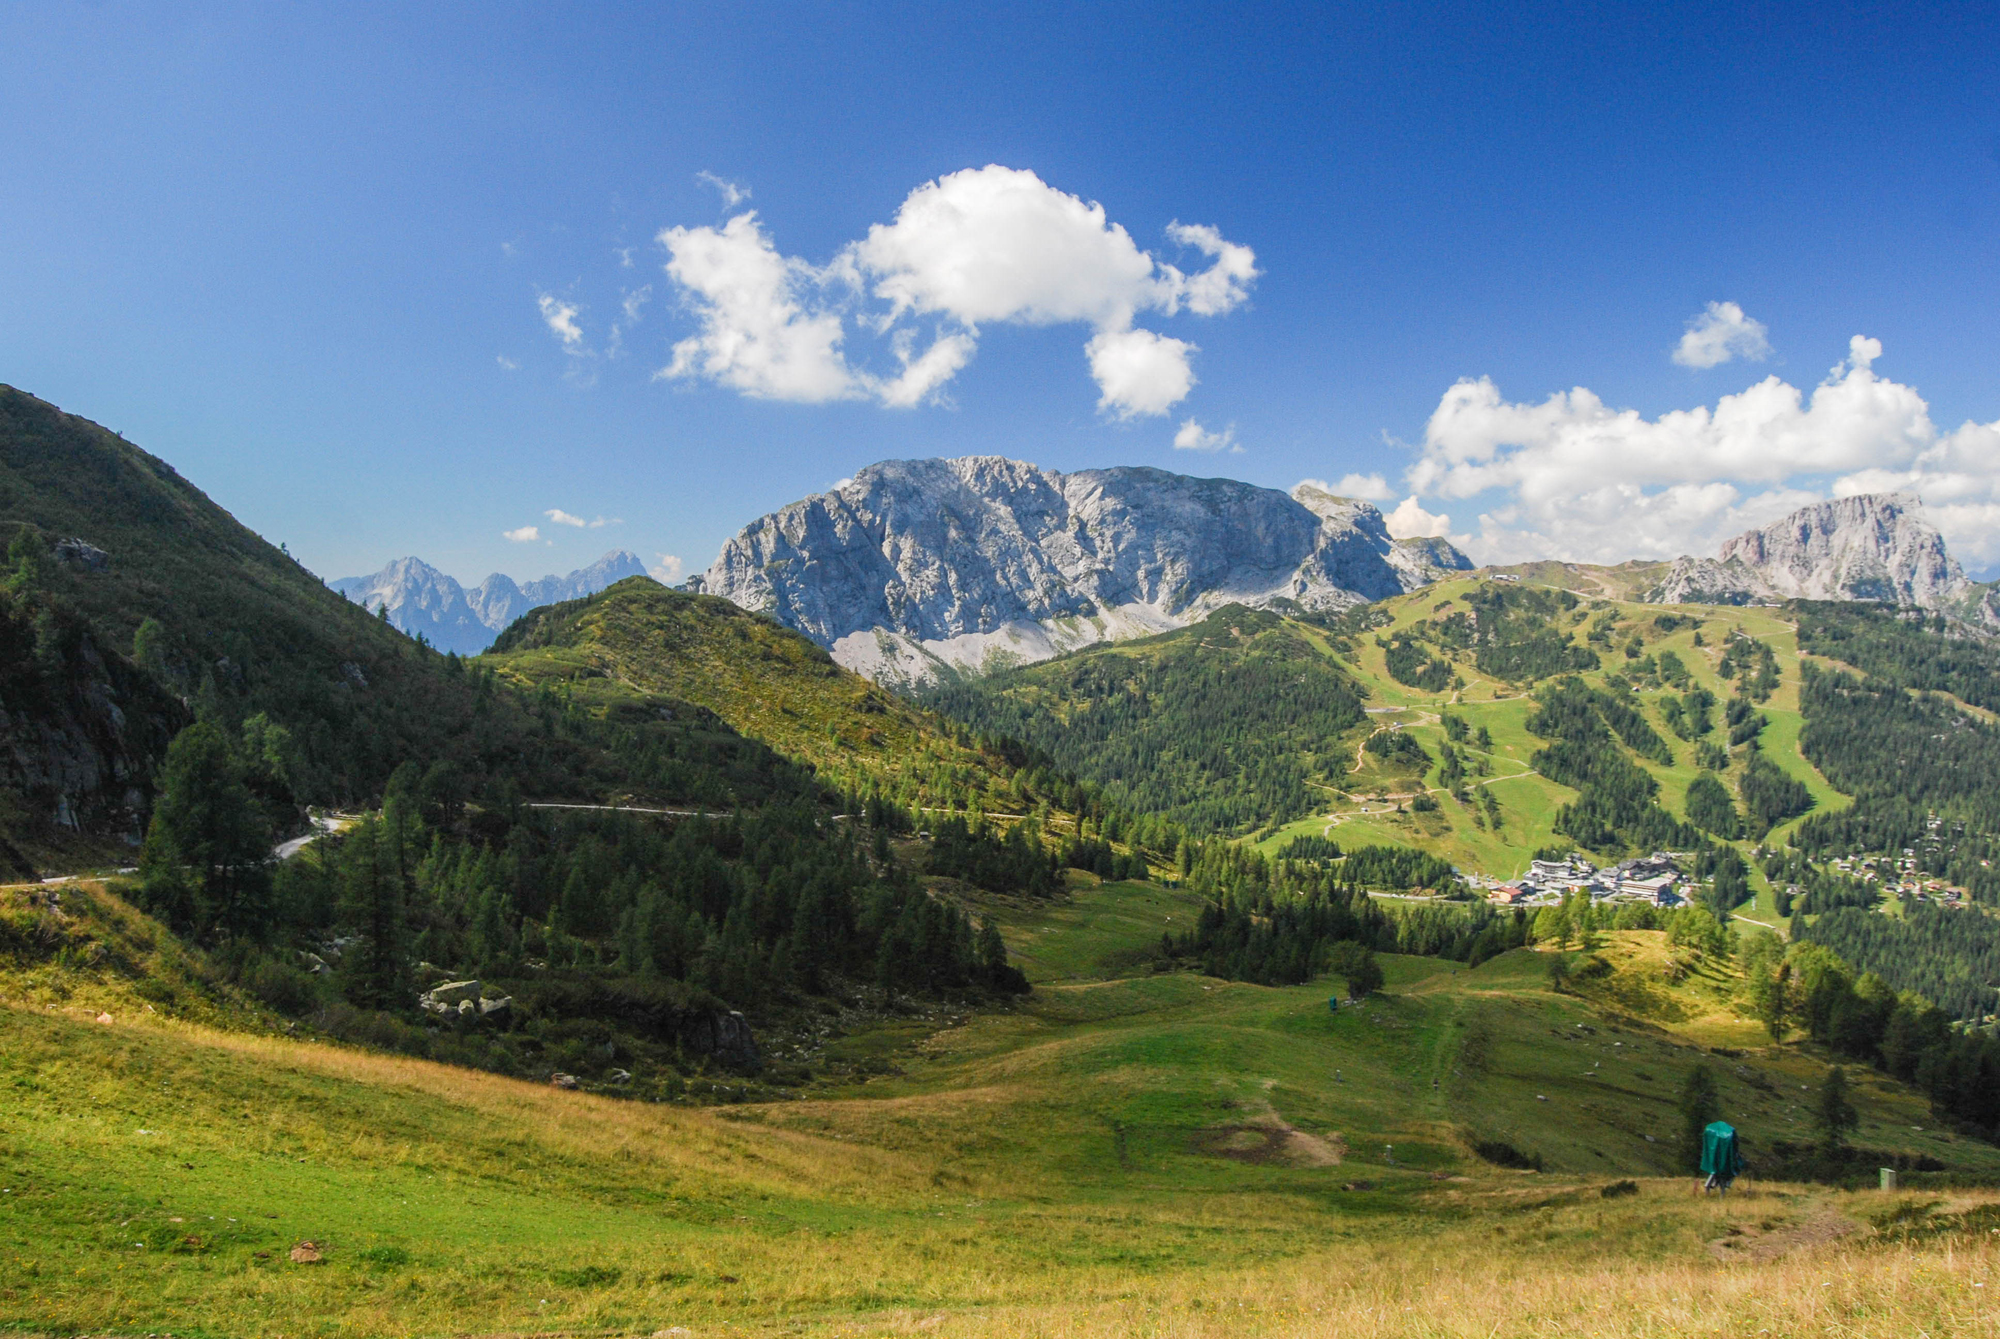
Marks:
<point>1221,726</point>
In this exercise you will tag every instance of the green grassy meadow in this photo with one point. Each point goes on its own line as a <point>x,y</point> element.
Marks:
<point>1529,802</point>
<point>1115,1154</point>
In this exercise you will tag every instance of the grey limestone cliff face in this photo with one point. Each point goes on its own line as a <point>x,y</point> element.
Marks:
<point>1875,546</point>
<point>925,567</point>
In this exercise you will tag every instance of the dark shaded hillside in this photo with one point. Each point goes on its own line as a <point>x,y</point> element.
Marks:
<point>81,731</point>
<point>233,626</point>
<point>1218,726</point>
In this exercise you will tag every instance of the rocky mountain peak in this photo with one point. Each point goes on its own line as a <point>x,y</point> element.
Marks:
<point>1873,546</point>
<point>917,568</point>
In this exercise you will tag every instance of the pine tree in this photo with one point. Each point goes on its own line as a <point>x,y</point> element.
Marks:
<point>1835,1115</point>
<point>30,568</point>
<point>377,970</point>
<point>205,864</point>
<point>1700,1107</point>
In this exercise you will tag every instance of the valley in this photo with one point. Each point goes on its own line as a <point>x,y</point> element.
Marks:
<point>1285,969</point>
<point>1114,1152</point>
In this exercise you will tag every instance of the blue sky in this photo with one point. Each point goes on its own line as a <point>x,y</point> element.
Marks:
<point>313,256</point>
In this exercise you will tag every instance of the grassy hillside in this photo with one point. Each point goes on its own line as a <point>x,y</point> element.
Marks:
<point>1113,1155</point>
<point>1203,721</point>
<point>1528,802</point>
<point>639,647</point>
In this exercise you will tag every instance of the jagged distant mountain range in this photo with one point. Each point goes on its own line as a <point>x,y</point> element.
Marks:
<point>421,599</point>
<point>920,569</point>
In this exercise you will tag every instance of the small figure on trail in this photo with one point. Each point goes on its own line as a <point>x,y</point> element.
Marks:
<point>1720,1160</point>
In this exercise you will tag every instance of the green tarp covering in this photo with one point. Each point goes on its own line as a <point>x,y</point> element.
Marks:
<point>1719,1157</point>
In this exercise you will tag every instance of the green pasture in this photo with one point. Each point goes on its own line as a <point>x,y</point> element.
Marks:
<point>1109,1132</point>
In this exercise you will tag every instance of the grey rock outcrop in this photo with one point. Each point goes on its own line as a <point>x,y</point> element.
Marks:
<point>1875,546</point>
<point>463,1000</point>
<point>81,555</point>
<point>1707,581</point>
<point>421,599</point>
<point>917,569</point>
<point>726,1036</point>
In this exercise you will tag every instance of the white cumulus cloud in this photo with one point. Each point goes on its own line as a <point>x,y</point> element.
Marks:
<point>667,570</point>
<point>560,317</point>
<point>1411,521</point>
<point>1193,437</point>
<point>1140,373</point>
<point>1574,479</point>
<point>984,246</point>
<point>765,330</point>
<point>1719,334</point>
<point>527,534</point>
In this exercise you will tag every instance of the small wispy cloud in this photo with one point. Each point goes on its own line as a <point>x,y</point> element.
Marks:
<point>1194,437</point>
<point>560,318</point>
<point>506,363</point>
<point>732,194</point>
<point>561,517</point>
<point>527,534</point>
<point>629,308</point>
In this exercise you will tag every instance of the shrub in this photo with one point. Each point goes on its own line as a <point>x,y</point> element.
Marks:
<point>1503,1154</point>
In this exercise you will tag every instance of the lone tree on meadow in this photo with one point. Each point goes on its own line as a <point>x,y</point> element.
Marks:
<point>1357,963</point>
<point>1835,1116</point>
<point>1700,1106</point>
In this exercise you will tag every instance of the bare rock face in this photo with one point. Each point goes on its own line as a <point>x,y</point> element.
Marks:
<point>1707,581</point>
<point>920,568</point>
<point>1876,546</point>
